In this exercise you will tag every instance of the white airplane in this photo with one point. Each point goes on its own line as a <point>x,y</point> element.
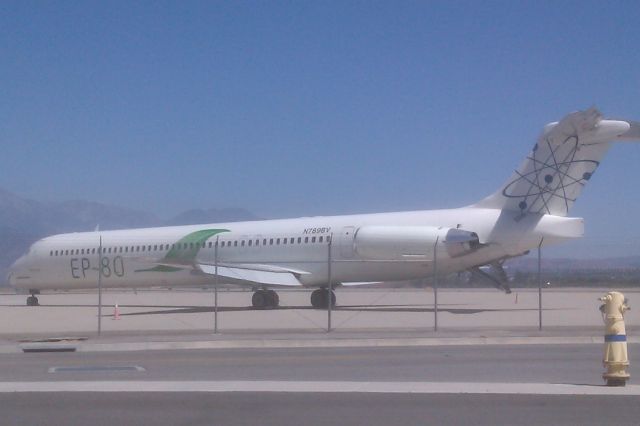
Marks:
<point>529,210</point>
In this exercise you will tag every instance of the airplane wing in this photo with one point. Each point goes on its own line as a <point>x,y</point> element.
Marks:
<point>267,277</point>
<point>357,283</point>
<point>238,273</point>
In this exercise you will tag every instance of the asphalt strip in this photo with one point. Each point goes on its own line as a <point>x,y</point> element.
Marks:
<point>321,387</point>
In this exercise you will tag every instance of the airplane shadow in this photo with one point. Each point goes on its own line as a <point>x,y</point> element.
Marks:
<point>185,309</point>
<point>172,310</point>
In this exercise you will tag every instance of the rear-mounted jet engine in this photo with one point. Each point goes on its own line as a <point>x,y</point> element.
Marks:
<point>412,242</point>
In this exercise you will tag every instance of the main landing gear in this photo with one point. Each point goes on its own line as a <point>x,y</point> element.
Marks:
<point>265,299</point>
<point>320,298</point>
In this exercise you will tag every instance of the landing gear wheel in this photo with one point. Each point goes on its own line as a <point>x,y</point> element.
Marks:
<point>265,299</point>
<point>320,298</point>
<point>317,299</point>
<point>274,299</point>
<point>259,299</point>
<point>32,301</point>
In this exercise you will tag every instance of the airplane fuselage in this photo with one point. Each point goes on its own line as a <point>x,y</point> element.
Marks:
<point>133,258</point>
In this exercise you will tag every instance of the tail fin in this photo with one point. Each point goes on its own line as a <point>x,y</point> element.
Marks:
<point>561,163</point>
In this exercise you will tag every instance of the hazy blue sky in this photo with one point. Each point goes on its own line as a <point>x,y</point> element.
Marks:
<point>302,108</point>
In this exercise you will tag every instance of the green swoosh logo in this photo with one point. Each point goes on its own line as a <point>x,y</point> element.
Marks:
<point>185,250</point>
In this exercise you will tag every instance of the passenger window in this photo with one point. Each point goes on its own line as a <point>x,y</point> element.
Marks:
<point>278,241</point>
<point>271,241</point>
<point>250,243</point>
<point>143,248</point>
<point>306,240</point>
<point>284,241</point>
<point>264,242</point>
<point>242,243</point>
<point>257,242</point>
<point>235,243</point>
<point>320,239</point>
<point>299,240</point>
<point>292,240</point>
<point>313,239</point>
<point>93,251</point>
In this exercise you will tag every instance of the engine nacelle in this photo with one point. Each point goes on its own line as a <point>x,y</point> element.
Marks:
<point>412,242</point>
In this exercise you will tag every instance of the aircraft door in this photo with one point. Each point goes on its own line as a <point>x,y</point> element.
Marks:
<point>346,241</point>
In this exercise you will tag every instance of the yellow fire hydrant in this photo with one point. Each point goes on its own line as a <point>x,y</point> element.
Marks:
<point>615,339</point>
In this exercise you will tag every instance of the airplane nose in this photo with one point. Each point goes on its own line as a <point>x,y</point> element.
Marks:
<point>13,271</point>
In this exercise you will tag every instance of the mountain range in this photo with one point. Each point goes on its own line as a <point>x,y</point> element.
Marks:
<point>23,221</point>
<point>569,265</point>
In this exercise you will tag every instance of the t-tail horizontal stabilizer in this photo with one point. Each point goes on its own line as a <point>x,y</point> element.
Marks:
<point>561,163</point>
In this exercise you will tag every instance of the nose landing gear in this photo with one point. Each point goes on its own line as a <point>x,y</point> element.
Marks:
<point>32,301</point>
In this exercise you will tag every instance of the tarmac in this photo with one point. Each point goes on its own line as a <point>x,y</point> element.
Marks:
<point>185,319</point>
<point>159,359</point>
